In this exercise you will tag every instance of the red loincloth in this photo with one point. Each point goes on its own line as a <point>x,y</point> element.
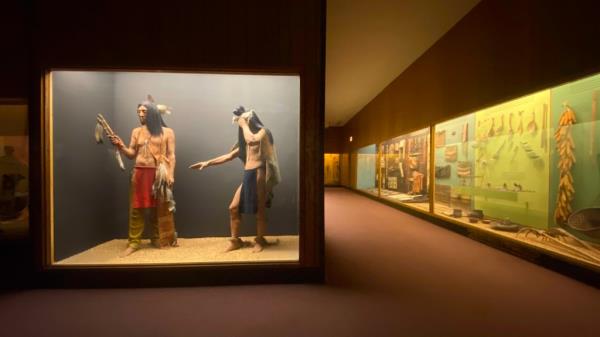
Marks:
<point>143,178</point>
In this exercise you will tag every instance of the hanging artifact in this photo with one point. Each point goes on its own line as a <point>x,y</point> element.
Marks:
<point>520,127</point>
<point>565,147</point>
<point>440,138</point>
<point>500,128</point>
<point>451,153</point>
<point>511,131</point>
<point>465,139</point>
<point>532,126</point>
<point>492,131</point>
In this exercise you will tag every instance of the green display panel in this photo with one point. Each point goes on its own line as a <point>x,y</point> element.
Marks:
<point>366,169</point>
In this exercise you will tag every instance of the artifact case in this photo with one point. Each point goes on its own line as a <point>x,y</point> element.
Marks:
<point>527,170</point>
<point>332,169</point>
<point>523,175</point>
<point>366,170</point>
<point>86,203</point>
<point>404,167</point>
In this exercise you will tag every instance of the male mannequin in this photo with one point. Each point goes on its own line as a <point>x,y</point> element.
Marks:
<point>152,146</point>
<point>261,172</point>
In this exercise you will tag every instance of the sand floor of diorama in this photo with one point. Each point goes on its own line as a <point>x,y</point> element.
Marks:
<point>190,250</point>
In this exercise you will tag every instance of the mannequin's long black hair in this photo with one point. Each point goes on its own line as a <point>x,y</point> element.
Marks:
<point>154,120</point>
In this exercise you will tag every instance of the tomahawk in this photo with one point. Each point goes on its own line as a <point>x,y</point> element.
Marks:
<point>102,126</point>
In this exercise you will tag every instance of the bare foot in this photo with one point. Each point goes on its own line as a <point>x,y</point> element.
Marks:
<point>234,244</point>
<point>260,243</point>
<point>130,250</point>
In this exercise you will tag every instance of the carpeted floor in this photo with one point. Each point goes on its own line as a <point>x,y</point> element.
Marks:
<point>196,250</point>
<point>388,274</point>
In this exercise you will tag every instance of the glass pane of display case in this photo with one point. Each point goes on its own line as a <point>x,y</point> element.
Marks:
<point>15,238</point>
<point>404,166</point>
<point>14,172</point>
<point>332,169</point>
<point>366,166</point>
<point>527,169</point>
<point>123,193</point>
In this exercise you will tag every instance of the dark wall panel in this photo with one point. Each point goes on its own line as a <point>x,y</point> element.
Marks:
<point>14,52</point>
<point>333,139</point>
<point>501,50</point>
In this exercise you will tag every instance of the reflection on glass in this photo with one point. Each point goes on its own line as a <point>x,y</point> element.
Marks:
<point>227,192</point>
<point>366,161</point>
<point>404,166</point>
<point>332,169</point>
<point>527,169</point>
<point>14,173</point>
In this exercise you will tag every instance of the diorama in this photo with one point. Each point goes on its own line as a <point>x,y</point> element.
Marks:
<point>332,169</point>
<point>366,169</point>
<point>404,167</point>
<point>172,167</point>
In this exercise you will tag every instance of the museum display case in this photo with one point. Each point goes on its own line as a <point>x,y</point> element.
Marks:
<point>116,196</point>
<point>366,170</point>
<point>332,169</point>
<point>404,169</point>
<point>527,170</point>
<point>14,171</point>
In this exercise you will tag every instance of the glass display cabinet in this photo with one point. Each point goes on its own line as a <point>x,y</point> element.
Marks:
<point>332,169</point>
<point>404,167</point>
<point>14,171</point>
<point>525,172</point>
<point>120,193</point>
<point>366,167</point>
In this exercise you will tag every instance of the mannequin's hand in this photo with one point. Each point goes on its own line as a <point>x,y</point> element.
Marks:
<point>199,166</point>
<point>117,141</point>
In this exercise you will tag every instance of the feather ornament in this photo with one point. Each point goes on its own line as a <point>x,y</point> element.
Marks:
<point>98,133</point>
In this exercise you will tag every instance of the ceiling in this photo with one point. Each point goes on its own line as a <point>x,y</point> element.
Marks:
<point>371,42</point>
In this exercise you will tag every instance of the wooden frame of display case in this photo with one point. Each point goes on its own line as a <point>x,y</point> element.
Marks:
<point>309,268</point>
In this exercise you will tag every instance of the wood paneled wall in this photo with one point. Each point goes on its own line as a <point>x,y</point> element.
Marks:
<point>501,50</point>
<point>333,140</point>
<point>14,50</point>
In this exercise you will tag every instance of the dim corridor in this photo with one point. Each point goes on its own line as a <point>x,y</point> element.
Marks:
<point>388,274</point>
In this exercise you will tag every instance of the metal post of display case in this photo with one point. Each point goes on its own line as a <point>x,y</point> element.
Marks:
<point>431,168</point>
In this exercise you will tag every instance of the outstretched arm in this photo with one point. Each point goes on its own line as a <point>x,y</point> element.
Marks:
<point>130,151</point>
<point>216,161</point>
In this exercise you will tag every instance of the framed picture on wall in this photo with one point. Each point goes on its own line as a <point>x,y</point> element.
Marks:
<point>195,173</point>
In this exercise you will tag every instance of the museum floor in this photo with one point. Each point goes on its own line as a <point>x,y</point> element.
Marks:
<point>388,274</point>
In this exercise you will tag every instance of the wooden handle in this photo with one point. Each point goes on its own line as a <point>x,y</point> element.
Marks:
<point>105,125</point>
